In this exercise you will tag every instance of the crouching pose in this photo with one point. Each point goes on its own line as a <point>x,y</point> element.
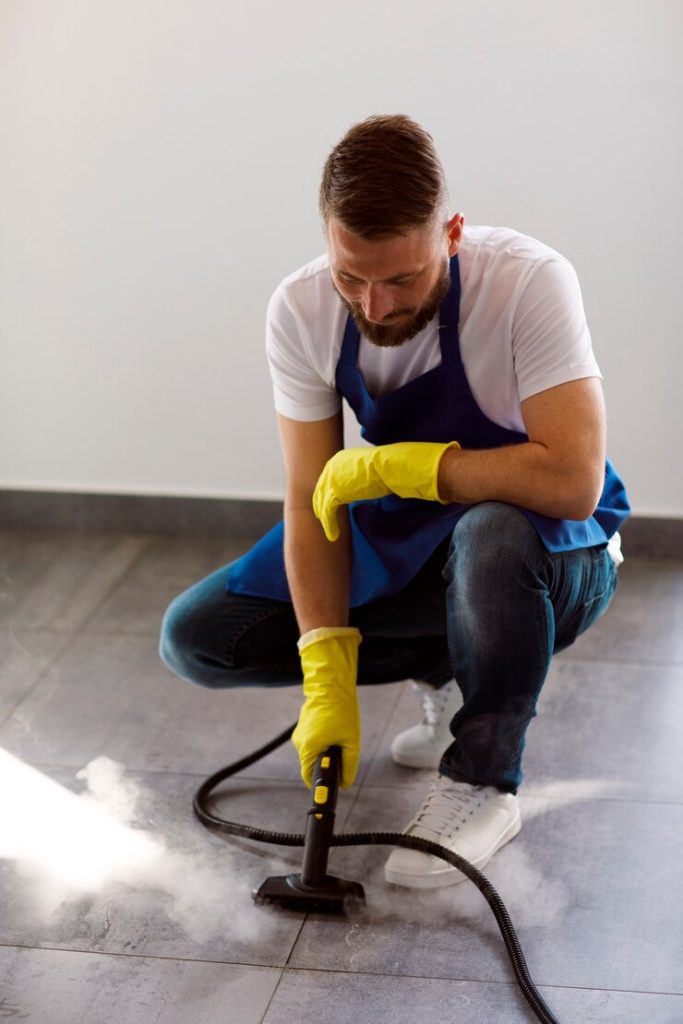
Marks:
<point>472,538</point>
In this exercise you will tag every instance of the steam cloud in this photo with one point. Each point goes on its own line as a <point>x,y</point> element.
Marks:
<point>89,853</point>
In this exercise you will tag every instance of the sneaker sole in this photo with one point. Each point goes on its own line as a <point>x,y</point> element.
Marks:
<point>450,875</point>
<point>406,761</point>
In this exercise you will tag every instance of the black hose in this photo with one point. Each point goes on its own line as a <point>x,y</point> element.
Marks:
<point>261,835</point>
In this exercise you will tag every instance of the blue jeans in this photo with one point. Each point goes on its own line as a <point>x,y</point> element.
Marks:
<point>489,608</point>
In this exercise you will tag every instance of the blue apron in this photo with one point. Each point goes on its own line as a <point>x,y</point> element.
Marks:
<point>393,537</point>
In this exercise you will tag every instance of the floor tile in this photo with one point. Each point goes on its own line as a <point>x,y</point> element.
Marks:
<point>597,720</point>
<point>406,712</point>
<point>361,999</point>
<point>616,865</point>
<point>644,622</point>
<point>168,566</point>
<point>55,581</point>
<point>49,986</point>
<point>24,655</point>
<point>127,868</point>
<point>583,883</point>
<point>365,999</point>
<point>615,724</point>
<point>111,694</point>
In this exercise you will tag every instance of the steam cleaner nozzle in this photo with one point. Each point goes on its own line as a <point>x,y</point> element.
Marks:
<point>314,889</point>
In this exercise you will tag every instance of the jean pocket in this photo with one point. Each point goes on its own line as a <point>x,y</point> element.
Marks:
<point>597,605</point>
<point>596,591</point>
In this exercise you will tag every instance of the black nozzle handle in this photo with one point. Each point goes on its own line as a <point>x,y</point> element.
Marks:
<point>320,821</point>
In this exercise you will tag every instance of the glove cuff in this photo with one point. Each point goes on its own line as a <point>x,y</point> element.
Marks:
<point>326,633</point>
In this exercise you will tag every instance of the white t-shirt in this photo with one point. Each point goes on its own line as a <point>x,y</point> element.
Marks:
<point>522,330</point>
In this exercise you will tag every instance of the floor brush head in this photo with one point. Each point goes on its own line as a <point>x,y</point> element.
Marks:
<point>331,896</point>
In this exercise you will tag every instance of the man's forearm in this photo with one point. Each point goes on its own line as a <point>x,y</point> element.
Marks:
<point>527,474</point>
<point>318,571</point>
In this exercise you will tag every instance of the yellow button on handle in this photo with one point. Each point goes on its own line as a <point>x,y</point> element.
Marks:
<point>321,794</point>
<point>325,763</point>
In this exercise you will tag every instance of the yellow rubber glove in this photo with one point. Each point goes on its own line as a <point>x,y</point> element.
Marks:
<point>330,714</point>
<point>409,469</point>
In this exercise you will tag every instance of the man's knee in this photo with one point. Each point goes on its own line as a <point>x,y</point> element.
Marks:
<point>493,520</point>
<point>176,642</point>
<point>492,538</point>
<point>223,640</point>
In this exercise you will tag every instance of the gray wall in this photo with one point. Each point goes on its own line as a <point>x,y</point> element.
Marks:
<point>160,162</point>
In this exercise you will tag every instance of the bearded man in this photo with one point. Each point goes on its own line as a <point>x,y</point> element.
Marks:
<point>472,538</point>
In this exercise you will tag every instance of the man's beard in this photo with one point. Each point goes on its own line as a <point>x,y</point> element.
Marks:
<point>388,335</point>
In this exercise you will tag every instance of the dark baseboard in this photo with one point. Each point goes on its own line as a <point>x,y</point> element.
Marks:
<point>136,513</point>
<point>642,536</point>
<point>651,537</point>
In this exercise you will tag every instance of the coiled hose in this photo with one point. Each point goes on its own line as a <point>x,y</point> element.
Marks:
<point>261,835</point>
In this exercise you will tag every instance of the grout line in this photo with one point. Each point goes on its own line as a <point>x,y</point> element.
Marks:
<point>331,971</point>
<point>149,542</point>
<point>509,983</point>
<point>140,956</point>
<point>579,659</point>
<point>266,781</point>
<point>72,636</point>
<point>377,748</point>
<point>284,968</point>
<point>272,997</point>
<point>47,667</point>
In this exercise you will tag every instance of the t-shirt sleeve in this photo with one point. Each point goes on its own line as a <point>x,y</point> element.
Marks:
<point>299,391</point>
<point>551,343</point>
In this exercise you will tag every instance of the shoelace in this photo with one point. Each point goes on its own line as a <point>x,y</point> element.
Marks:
<point>433,702</point>
<point>447,805</point>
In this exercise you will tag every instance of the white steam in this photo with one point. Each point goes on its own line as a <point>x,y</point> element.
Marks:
<point>70,848</point>
<point>104,847</point>
<point>533,897</point>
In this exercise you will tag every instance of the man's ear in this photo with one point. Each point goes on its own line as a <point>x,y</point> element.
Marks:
<point>454,230</point>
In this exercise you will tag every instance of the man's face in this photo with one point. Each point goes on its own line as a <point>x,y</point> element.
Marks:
<point>391,286</point>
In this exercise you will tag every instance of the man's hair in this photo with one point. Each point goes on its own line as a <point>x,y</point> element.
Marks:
<point>384,178</point>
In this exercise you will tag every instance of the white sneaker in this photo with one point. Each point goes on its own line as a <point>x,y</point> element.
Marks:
<point>474,821</point>
<point>422,745</point>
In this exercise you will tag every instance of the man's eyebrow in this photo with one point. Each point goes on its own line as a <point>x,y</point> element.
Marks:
<point>387,280</point>
<point>400,277</point>
<point>345,273</point>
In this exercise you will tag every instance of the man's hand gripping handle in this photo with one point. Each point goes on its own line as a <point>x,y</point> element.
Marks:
<point>330,715</point>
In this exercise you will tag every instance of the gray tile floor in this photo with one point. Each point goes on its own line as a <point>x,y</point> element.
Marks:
<point>116,907</point>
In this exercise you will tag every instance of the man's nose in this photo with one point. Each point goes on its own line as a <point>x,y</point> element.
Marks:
<point>378,302</point>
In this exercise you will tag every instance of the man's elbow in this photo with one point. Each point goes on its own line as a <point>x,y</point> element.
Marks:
<point>584,492</point>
